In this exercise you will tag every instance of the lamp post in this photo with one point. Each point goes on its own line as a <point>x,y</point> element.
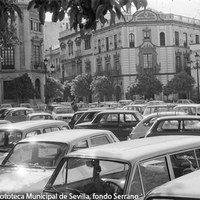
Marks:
<point>45,76</point>
<point>197,57</point>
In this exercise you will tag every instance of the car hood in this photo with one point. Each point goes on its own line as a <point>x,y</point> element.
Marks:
<point>23,180</point>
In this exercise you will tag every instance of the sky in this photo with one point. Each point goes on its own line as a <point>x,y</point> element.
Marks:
<point>187,8</point>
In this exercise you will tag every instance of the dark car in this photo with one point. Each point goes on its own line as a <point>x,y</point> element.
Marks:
<point>120,122</point>
<point>75,117</point>
<point>175,125</point>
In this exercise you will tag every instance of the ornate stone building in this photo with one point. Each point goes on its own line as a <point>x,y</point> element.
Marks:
<point>24,58</point>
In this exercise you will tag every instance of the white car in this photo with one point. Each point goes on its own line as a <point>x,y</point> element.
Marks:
<point>64,113</point>
<point>28,166</point>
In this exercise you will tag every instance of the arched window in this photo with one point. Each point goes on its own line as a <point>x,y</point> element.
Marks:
<point>162,39</point>
<point>37,88</point>
<point>131,40</point>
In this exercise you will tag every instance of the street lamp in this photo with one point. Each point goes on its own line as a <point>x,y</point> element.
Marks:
<point>197,57</point>
<point>45,76</point>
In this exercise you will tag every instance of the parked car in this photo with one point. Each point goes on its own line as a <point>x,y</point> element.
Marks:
<point>88,115</point>
<point>183,188</point>
<point>155,102</point>
<point>175,125</point>
<point>62,113</point>
<point>191,109</point>
<point>16,114</point>
<point>159,108</point>
<point>14,132</point>
<point>140,130</point>
<point>39,116</point>
<point>25,105</point>
<point>74,118</point>
<point>120,122</point>
<point>125,168</point>
<point>31,162</point>
<point>6,105</point>
<point>138,107</point>
<point>184,101</point>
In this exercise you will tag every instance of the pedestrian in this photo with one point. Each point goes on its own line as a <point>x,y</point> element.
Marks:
<point>74,106</point>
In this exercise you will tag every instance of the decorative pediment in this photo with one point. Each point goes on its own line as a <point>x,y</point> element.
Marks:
<point>146,15</point>
<point>62,45</point>
<point>78,41</point>
<point>147,45</point>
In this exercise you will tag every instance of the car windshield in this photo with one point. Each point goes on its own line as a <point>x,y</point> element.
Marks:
<point>63,110</point>
<point>36,154</point>
<point>90,176</point>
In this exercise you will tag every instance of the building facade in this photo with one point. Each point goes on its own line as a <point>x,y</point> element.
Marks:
<point>24,58</point>
<point>147,41</point>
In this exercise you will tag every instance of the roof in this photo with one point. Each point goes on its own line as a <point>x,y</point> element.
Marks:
<point>184,187</point>
<point>28,124</point>
<point>65,136</point>
<point>118,111</point>
<point>188,105</point>
<point>140,149</point>
<point>164,113</point>
<point>180,117</point>
<point>39,113</point>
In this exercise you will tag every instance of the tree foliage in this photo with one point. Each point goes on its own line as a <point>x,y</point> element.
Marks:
<point>53,89</point>
<point>102,87</point>
<point>23,88</point>
<point>83,14</point>
<point>80,86</point>
<point>182,83</point>
<point>146,85</point>
<point>67,91</point>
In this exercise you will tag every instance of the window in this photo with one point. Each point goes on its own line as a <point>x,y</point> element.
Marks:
<point>131,40</point>
<point>35,25</point>
<point>154,173</point>
<point>37,54</point>
<point>70,48</point>
<point>33,133</point>
<point>146,34</point>
<point>7,53</point>
<point>115,41</point>
<point>176,38</point>
<point>87,43</point>
<point>162,39</point>
<point>109,118</point>
<point>178,64</point>
<point>185,39</point>
<point>136,186</point>
<point>99,140</point>
<point>197,39</point>
<point>183,163</point>
<point>167,126</point>
<point>107,44</point>
<point>148,60</point>
<point>80,145</point>
<point>99,46</point>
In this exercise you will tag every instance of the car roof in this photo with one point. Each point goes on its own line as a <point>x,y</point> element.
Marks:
<point>188,105</point>
<point>67,135</point>
<point>28,124</point>
<point>162,105</point>
<point>118,111</point>
<point>163,113</point>
<point>20,108</point>
<point>186,186</point>
<point>179,117</point>
<point>39,113</point>
<point>139,149</point>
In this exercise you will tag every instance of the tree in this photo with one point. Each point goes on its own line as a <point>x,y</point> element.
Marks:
<point>147,85</point>
<point>8,10</point>
<point>67,91</point>
<point>54,89</point>
<point>83,14</point>
<point>80,86</point>
<point>182,83</point>
<point>102,87</point>
<point>23,88</point>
